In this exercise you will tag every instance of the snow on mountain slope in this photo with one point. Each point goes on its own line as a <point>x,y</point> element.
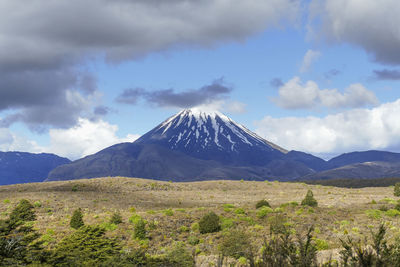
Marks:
<point>212,135</point>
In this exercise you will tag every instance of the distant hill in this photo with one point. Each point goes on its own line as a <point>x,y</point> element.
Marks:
<point>364,156</point>
<point>23,167</point>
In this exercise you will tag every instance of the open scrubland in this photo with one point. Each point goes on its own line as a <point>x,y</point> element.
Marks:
<point>172,211</point>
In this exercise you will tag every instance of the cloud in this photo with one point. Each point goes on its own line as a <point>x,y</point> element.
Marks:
<point>386,74</point>
<point>44,45</point>
<point>171,98</point>
<point>86,138</point>
<point>235,107</point>
<point>10,141</point>
<point>357,129</point>
<point>276,82</point>
<point>309,58</point>
<point>331,73</point>
<point>370,24</point>
<point>297,95</point>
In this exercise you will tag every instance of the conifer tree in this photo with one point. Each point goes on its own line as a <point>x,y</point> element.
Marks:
<point>77,219</point>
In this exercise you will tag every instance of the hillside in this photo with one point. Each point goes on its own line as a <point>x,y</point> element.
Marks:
<point>23,167</point>
<point>173,209</point>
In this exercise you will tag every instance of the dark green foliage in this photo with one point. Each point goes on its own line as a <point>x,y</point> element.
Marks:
<point>396,190</point>
<point>262,203</point>
<point>140,229</point>
<point>18,239</point>
<point>277,224</point>
<point>356,183</point>
<point>358,253</point>
<point>236,244</point>
<point>309,200</point>
<point>88,246</point>
<point>283,250</point>
<point>77,219</point>
<point>209,223</point>
<point>23,212</point>
<point>179,256</point>
<point>116,218</point>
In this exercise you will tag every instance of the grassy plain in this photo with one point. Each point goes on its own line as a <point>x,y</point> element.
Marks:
<point>173,209</point>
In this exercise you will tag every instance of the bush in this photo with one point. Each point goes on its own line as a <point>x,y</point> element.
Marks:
<point>116,218</point>
<point>193,240</point>
<point>209,223</point>
<point>77,219</point>
<point>180,256</point>
<point>140,229</point>
<point>263,211</point>
<point>262,203</point>
<point>396,190</point>
<point>236,244</point>
<point>309,200</point>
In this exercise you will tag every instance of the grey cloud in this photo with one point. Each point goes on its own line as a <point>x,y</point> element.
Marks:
<point>332,73</point>
<point>130,96</point>
<point>386,74</point>
<point>45,43</point>
<point>101,110</point>
<point>276,82</point>
<point>372,25</point>
<point>171,98</point>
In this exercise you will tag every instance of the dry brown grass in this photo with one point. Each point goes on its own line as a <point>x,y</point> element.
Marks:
<point>340,212</point>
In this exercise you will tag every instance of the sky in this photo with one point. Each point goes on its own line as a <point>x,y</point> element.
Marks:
<point>319,76</point>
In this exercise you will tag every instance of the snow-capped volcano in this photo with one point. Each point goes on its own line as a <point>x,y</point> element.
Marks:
<point>212,135</point>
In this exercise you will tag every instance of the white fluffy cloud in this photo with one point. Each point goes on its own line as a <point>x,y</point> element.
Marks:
<point>357,129</point>
<point>309,58</point>
<point>86,138</point>
<point>370,24</point>
<point>297,95</point>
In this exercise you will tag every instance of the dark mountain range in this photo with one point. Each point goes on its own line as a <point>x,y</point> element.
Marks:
<point>197,145</point>
<point>365,170</point>
<point>22,167</point>
<point>193,145</point>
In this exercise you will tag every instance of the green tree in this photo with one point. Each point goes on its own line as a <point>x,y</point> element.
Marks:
<point>236,244</point>
<point>309,200</point>
<point>88,246</point>
<point>77,219</point>
<point>116,218</point>
<point>397,190</point>
<point>209,223</point>
<point>140,229</point>
<point>19,243</point>
<point>262,203</point>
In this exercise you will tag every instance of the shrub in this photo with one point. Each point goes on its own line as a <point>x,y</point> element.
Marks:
<point>179,256</point>
<point>193,240</point>
<point>77,219</point>
<point>239,211</point>
<point>262,212</point>
<point>392,213</point>
<point>226,223</point>
<point>23,212</point>
<point>236,244</point>
<point>37,204</point>
<point>277,224</point>
<point>140,229</point>
<point>309,200</point>
<point>209,223</point>
<point>169,212</point>
<point>116,218</point>
<point>262,203</point>
<point>396,190</point>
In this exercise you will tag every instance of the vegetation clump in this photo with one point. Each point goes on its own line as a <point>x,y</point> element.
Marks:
<point>77,219</point>
<point>23,212</point>
<point>140,229</point>
<point>396,190</point>
<point>262,203</point>
<point>209,223</point>
<point>309,200</point>
<point>88,246</point>
<point>116,218</point>
<point>236,244</point>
